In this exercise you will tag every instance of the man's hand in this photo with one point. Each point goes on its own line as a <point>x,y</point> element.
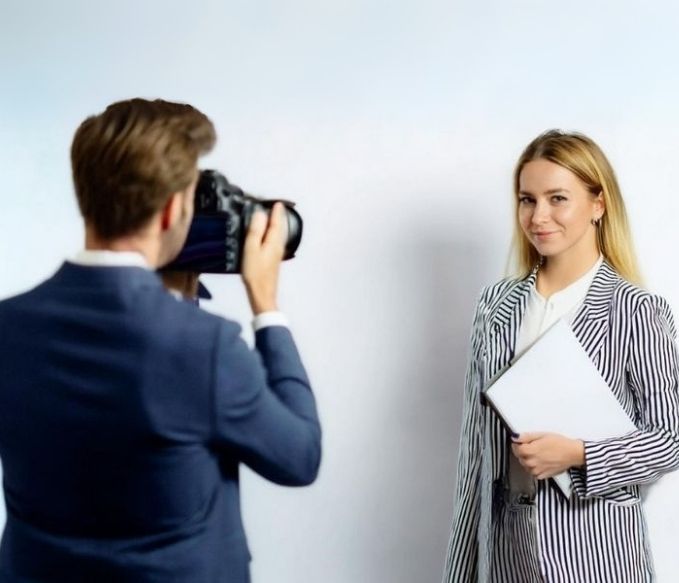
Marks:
<point>262,255</point>
<point>544,455</point>
<point>185,282</point>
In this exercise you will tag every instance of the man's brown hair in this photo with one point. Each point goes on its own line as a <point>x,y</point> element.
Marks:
<point>128,160</point>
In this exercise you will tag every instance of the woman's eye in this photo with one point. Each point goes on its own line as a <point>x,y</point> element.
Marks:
<point>559,198</point>
<point>525,200</point>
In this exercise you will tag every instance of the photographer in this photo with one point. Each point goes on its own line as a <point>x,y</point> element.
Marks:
<point>124,413</point>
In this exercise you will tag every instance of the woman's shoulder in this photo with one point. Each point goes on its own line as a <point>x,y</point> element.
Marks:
<point>630,297</point>
<point>633,294</point>
<point>497,292</point>
<point>503,286</point>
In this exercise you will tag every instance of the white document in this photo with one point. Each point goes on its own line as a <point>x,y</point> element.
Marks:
<point>555,387</point>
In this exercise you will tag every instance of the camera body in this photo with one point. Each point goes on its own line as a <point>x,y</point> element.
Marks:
<point>222,215</point>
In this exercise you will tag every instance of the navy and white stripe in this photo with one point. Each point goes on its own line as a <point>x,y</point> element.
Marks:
<point>599,534</point>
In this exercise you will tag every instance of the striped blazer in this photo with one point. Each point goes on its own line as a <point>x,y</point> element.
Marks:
<point>599,534</point>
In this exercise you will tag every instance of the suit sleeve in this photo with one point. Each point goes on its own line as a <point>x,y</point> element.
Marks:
<point>462,556</point>
<point>652,373</point>
<point>265,412</point>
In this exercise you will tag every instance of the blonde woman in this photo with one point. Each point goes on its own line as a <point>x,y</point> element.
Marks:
<point>574,253</point>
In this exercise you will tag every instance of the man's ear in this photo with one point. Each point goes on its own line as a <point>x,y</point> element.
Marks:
<point>171,211</point>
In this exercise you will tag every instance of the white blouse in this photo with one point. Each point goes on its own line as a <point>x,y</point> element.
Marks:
<point>541,313</point>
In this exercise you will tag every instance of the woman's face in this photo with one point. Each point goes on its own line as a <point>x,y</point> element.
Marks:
<point>556,210</point>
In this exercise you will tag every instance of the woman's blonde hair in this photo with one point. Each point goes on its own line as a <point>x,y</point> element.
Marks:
<point>579,154</point>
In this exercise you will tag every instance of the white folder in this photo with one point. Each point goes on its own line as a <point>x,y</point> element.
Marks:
<point>555,387</point>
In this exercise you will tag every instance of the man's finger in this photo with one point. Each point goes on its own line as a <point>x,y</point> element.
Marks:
<point>256,230</point>
<point>278,225</point>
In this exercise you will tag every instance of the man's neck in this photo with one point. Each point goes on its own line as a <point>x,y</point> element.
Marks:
<point>134,244</point>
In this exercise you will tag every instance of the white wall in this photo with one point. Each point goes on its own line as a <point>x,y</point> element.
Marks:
<point>395,126</point>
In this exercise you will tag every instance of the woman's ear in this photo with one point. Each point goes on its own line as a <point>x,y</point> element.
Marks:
<point>600,205</point>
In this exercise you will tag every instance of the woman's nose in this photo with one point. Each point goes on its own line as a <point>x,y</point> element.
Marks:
<point>540,213</point>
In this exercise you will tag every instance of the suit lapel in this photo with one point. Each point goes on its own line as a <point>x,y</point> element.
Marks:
<point>591,322</point>
<point>506,313</point>
<point>504,323</point>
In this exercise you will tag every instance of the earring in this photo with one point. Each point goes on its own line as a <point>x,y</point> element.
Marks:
<point>596,222</point>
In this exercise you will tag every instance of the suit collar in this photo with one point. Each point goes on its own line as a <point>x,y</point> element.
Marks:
<point>590,324</point>
<point>596,304</point>
<point>109,276</point>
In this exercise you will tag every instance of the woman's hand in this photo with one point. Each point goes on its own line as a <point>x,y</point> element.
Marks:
<point>544,455</point>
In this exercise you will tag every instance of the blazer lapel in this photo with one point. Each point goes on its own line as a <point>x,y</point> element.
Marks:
<point>591,322</point>
<point>503,326</point>
<point>506,313</point>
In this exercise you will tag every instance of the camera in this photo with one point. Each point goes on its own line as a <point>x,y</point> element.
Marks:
<point>222,215</point>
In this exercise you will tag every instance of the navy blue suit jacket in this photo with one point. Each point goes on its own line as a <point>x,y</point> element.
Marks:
<point>124,415</point>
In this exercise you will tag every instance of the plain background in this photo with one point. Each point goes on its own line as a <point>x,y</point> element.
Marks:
<point>394,126</point>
